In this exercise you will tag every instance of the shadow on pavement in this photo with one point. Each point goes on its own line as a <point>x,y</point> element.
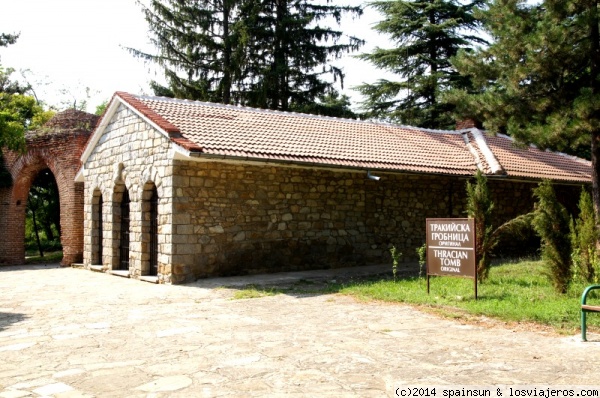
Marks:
<point>305,283</point>
<point>27,267</point>
<point>8,318</point>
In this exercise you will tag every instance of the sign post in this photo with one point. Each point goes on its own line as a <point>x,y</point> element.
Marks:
<point>451,248</point>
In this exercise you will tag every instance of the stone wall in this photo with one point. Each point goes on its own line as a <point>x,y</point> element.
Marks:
<point>246,218</point>
<point>226,217</point>
<point>132,156</point>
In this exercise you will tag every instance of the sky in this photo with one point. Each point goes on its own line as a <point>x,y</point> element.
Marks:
<point>68,46</point>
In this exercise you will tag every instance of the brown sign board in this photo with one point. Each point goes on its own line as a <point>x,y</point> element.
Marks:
<point>451,247</point>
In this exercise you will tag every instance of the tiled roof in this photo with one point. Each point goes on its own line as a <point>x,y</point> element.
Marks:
<point>259,134</point>
<point>530,162</point>
<point>248,133</point>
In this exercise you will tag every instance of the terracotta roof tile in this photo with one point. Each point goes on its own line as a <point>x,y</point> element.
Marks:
<point>283,136</point>
<point>248,133</point>
<point>530,162</point>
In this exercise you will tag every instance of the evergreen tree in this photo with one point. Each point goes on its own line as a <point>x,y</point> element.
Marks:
<point>290,51</point>
<point>551,223</point>
<point>583,239</point>
<point>197,50</point>
<point>480,207</point>
<point>540,79</point>
<point>262,53</point>
<point>428,33</point>
<point>329,105</point>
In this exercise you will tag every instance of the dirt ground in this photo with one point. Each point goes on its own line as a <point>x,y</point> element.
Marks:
<point>68,332</point>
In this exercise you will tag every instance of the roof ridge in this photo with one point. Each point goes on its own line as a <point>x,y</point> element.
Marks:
<point>298,114</point>
<point>489,155</point>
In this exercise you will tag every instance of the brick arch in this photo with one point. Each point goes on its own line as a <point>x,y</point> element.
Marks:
<point>57,146</point>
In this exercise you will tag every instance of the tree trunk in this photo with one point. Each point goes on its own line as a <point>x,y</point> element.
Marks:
<point>280,99</point>
<point>433,65</point>
<point>227,68</point>
<point>37,234</point>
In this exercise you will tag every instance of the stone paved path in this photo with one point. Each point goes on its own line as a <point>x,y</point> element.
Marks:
<point>74,333</point>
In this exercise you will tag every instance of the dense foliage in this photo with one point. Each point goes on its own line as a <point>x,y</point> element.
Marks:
<point>43,213</point>
<point>11,125</point>
<point>18,112</point>
<point>274,54</point>
<point>583,240</point>
<point>427,33</point>
<point>539,80</point>
<point>8,38</point>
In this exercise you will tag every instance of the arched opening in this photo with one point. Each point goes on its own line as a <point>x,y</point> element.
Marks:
<point>97,228</point>
<point>150,230</point>
<point>120,227</point>
<point>124,241</point>
<point>42,217</point>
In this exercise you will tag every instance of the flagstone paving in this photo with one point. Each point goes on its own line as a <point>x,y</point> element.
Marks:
<point>68,332</point>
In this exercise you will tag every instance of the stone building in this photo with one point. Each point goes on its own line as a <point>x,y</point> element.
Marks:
<point>176,190</point>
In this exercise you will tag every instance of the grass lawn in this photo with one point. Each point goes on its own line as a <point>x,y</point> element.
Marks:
<point>50,257</point>
<point>514,292</point>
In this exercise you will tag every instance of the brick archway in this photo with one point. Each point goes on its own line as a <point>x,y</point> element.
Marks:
<point>57,146</point>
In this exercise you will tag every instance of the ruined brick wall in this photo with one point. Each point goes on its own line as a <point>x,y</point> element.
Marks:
<point>12,251</point>
<point>60,152</point>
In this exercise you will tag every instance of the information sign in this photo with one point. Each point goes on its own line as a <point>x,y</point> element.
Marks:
<point>451,248</point>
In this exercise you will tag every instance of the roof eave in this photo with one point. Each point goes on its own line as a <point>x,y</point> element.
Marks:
<point>182,154</point>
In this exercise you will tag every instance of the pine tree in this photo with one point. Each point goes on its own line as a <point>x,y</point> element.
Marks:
<point>292,51</point>
<point>331,104</point>
<point>262,53</point>
<point>196,43</point>
<point>428,34</point>
<point>540,79</point>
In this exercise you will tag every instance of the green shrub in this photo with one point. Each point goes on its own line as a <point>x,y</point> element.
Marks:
<point>395,260</point>
<point>551,223</point>
<point>583,239</point>
<point>479,207</point>
<point>422,254</point>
